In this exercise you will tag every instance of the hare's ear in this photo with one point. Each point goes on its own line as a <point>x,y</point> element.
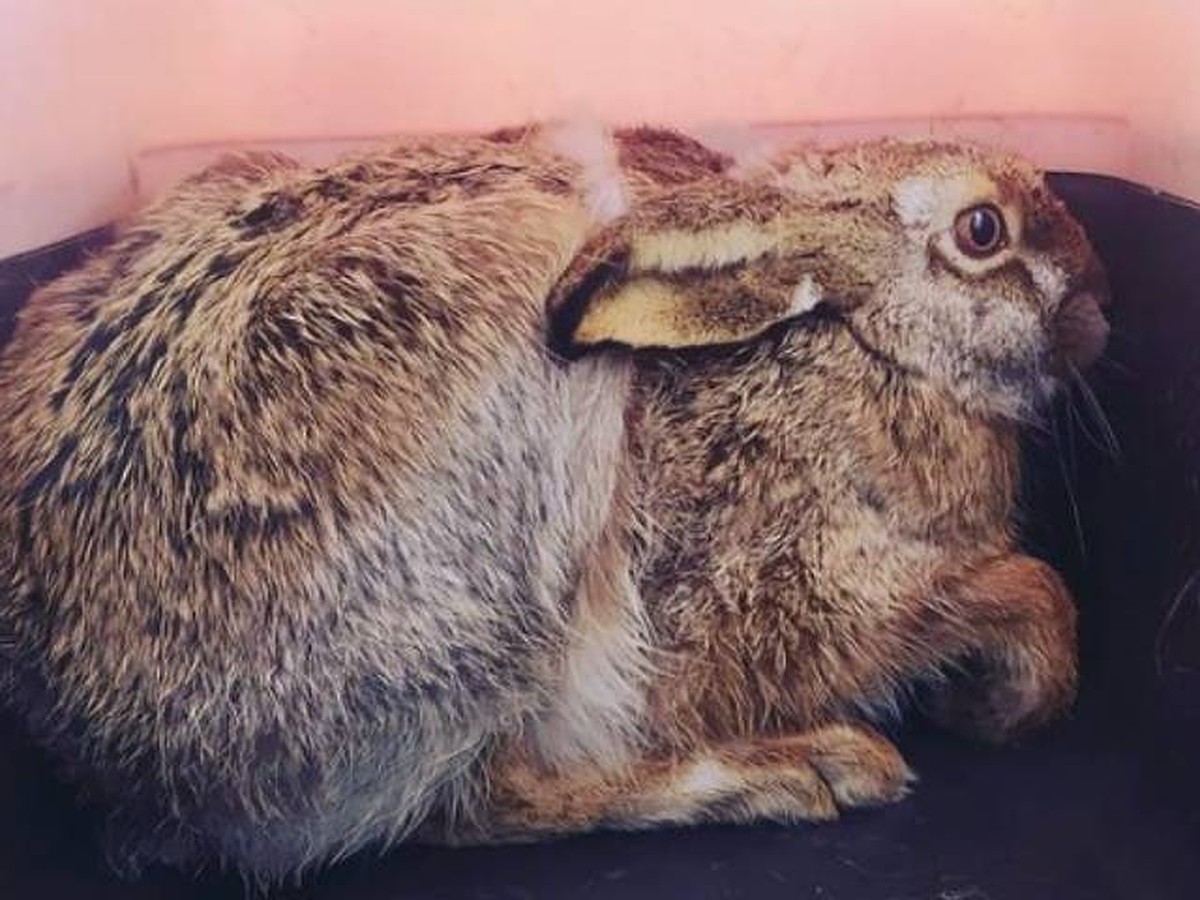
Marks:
<point>657,280</point>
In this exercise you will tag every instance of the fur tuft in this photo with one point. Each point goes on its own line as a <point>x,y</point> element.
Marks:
<point>592,147</point>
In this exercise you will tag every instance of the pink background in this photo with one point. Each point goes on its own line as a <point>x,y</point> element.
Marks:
<point>91,90</point>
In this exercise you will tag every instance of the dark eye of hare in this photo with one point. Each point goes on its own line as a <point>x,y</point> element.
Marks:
<point>979,231</point>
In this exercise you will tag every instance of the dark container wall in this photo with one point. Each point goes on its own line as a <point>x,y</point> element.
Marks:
<point>1103,805</point>
<point>1138,571</point>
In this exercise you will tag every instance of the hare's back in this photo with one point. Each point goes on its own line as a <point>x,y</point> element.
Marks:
<point>282,467</point>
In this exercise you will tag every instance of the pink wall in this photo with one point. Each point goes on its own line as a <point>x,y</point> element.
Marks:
<point>86,85</point>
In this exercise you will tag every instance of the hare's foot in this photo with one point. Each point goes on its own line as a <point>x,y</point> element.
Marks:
<point>803,777</point>
<point>1017,669</point>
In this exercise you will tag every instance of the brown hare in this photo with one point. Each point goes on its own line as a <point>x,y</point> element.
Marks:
<point>523,484</point>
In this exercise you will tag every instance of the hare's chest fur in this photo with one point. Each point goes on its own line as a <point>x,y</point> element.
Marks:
<point>797,509</point>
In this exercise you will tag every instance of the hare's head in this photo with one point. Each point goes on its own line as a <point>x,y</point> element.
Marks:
<point>950,263</point>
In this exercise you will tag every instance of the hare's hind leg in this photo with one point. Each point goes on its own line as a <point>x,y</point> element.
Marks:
<point>804,777</point>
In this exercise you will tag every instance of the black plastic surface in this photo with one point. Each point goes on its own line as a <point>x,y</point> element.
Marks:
<point>1104,805</point>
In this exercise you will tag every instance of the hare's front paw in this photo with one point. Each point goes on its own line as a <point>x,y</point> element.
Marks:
<point>803,777</point>
<point>996,702</point>
<point>1020,668</point>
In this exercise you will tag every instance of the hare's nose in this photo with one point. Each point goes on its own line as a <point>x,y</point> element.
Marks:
<point>1080,329</point>
<point>1093,280</point>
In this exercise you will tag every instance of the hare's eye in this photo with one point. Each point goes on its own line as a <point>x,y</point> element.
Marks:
<point>979,231</point>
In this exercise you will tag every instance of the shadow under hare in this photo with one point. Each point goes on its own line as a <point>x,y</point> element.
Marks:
<point>517,485</point>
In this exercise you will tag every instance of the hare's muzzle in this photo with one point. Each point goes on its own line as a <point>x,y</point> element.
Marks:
<point>1080,328</point>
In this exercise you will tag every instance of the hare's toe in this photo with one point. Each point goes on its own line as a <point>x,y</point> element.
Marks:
<point>811,776</point>
<point>742,786</point>
<point>860,767</point>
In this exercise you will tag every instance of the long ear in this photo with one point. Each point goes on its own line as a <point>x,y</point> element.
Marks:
<point>706,264</point>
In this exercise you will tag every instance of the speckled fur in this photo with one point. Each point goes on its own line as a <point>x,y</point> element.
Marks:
<point>308,535</point>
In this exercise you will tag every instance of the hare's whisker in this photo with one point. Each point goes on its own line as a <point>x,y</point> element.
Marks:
<point>1068,474</point>
<point>1109,442</point>
<point>1160,639</point>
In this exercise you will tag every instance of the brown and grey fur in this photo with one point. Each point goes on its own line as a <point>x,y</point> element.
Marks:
<point>527,484</point>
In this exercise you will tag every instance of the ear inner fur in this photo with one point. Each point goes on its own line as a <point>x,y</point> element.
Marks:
<point>714,261</point>
<point>676,306</point>
<point>693,307</point>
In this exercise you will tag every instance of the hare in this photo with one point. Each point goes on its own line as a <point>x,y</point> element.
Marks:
<point>510,486</point>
